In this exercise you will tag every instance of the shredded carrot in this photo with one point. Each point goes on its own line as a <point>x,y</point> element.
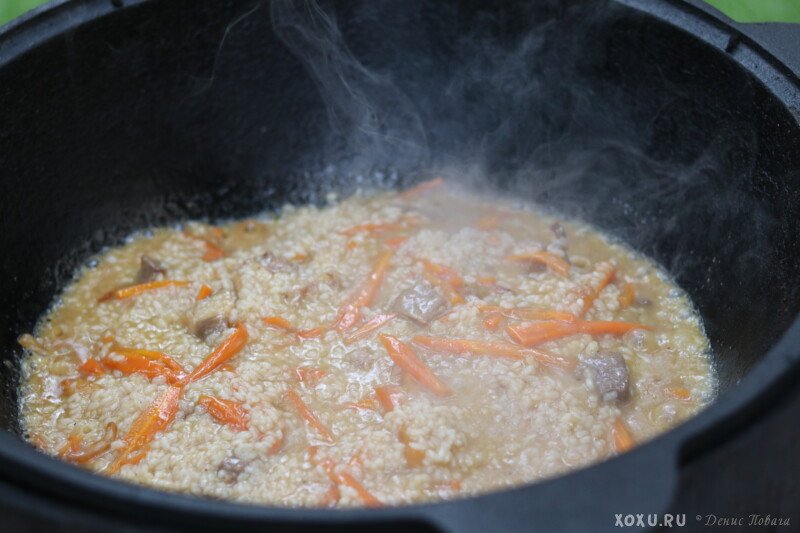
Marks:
<point>594,292</point>
<point>331,496</point>
<point>496,349</point>
<point>345,478</point>
<point>526,313</point>
<point>82,456</point>
<point>162,358</point>
<point>679,393</point>
<point>213,252</point>
<point>555,263</point>
<point>91,367</point>
<point>349,247</point>
<point>535,333</point>
<point>488,281</point>
<point>421,188</point>
<point>204,292</point>
<point>313,333</point>
<point>375,323</point>
<point>623,440</point>
<point>446,279</point>
<point>73,445</point>
<point>389,396</point>
<point>155,419</point>
<point>306,413</point>
<point>135,290</point>
<point>278,444</point>
<point>455,484</point>
<point>350,313</point>
<point>278,322</point>
<point>225,411</point>
<point>309,375</point>
<point>403,356</point>
<point>627,295</point>
<point>135,363</point>
<point>395,242</point>
<point>222,354</point>
<point>414,456</point>
<point>492,321</point>
<point>364,404</point>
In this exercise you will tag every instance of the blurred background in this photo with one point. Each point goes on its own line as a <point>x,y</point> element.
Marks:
<point>10,9</point>
<point>738,10</point>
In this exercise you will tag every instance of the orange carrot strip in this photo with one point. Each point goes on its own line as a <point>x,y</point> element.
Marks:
<point>309,374</point>
<point>594,293</point>
<point>414,456</point>
<point>73,445</point>
<point>374,324</point>
<point>96,449</point>
<point>497,349</point>
<point>222,354</point>
<point>364,295</point>
<point>277,445</point>
<point>204,292</point>
<point>213,252</point>
<point>525,313</point>
<point>364,404</point>
<point>492,321</point>
<point>162,358</point>
<point>679,393</point>
<point>225,411</point>
<point>305,412</point>
<point>540,332</point>
<point>278,322</point>
<point>623,440</point>
<point>389,396</point>
<point>138,364</point>
<point>313,333</point>
<point>425,186</point>
<point>404,357</point>
<point>627,295</point>
<point>135,290</point>
<point>91,367</point>
<point>446,279</point>
<point>553,262</point>
<point>345,478</point>
<point>155,419</point>
<point>395,242</point>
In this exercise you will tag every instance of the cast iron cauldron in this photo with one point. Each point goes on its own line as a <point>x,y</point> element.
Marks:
<point>651,119</point>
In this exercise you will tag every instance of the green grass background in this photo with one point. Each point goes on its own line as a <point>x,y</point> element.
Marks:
<point>739,10</point>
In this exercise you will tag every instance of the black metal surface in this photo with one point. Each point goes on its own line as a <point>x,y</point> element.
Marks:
<point>112,119</point>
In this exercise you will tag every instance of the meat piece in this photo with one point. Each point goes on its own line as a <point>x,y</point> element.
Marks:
<point>230,468</point>
<point>208,327</point>
<point>421,303</point>
<point>274,264</point>
<point>609,375</point>
<point>558,230</point>
<point>149,269</point>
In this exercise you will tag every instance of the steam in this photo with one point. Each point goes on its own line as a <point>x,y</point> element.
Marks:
<point>551,129</point>
<point>376,120</point>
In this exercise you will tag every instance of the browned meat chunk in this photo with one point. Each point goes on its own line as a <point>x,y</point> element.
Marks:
<point>208,327</point>
<point>609,375</point>
<point>274,264</point>
<point>149,269</point>
<point>230,468</point>
<point>420,303</point>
